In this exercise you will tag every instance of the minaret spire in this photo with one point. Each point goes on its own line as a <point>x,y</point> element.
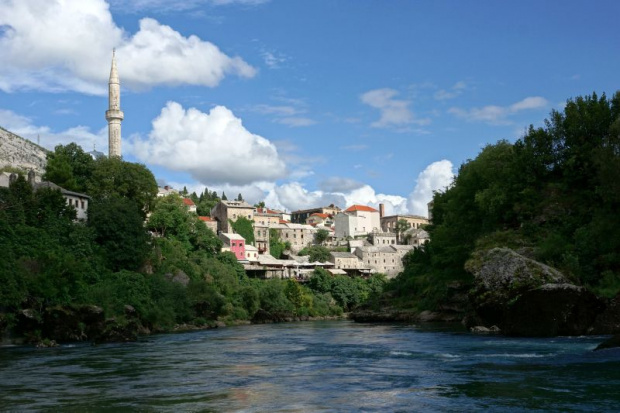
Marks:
<point>114,115</point>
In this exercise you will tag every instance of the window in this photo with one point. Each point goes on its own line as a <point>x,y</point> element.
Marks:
<point>82,204</point>
<point>235,216</point>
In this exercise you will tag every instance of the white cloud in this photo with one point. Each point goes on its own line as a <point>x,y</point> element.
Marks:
<point>493,114</point>
<point>273,60</point>
<point>293,196</point>
<point>394,112</point>
<point>339,184</point>
<point>66,45</point>
<point>176,5</point>
<point>24,127</point>
<point>451,93</point>
<point>437,176</point>
<point>295,122</point>
<point>214,147</point>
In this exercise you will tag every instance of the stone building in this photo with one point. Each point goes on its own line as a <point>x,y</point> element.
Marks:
<point>388,223</point>
<point>298,235</point>
<point>210,223</point>
<point>261,238</point>
<point>344,260</point>
<point>386,260</point>
<point>268,217</point>
<point>300,216</point>
<point>379,238</point>
<point>416,237</point>
<point>114,115</point>
<point>20,153</point>
<point>225,211</point>
<point>357,220</point>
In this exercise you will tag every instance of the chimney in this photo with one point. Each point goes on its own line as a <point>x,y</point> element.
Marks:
<point>381,210</point>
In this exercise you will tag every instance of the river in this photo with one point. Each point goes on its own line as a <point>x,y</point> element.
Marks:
<point>315,366</point>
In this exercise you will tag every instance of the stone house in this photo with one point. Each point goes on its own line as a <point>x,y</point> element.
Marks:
<point>388,223</point>
<point>210,223</point>
<point>320,219</point>
<point>344,260</point>
<point>300,216</point>
<point>298,235</point>
<point>416,237</point>
<point>225,211</point>
<point>386,260</point>
<point>382,238</point>
<point>357,220</point>
<point>261,238</point>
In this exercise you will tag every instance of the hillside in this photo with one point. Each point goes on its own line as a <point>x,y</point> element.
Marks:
<point>21,153</point>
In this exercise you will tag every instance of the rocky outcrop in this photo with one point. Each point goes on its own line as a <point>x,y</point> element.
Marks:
<point>527,298</point>
<point>612,342</point>
<point>20,153</point>
<point>608,321</point>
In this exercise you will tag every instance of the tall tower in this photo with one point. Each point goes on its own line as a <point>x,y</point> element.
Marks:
<point>114,115</point>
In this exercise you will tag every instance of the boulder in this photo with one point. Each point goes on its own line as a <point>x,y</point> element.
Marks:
<point>527,298</point>
<point>552,310</point>
<point>608,321</point>
<point>612,342</point>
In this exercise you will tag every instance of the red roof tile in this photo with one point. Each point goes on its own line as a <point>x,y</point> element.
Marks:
<point>205,218</point>
<point>320,215</point>
<point>188,202</point>
<point>360,208</point>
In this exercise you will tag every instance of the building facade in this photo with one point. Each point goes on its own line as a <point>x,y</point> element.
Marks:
<point>234,243</point>
<point>225,211</point>
<point>300,216</point>
<point>388,224</point>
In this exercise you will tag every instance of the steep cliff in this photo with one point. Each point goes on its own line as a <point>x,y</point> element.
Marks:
<point>21,153</point>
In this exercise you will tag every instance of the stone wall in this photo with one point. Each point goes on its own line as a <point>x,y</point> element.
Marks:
<point>21,153</point>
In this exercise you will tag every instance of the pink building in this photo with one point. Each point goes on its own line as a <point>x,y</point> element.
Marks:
<point>234,243</point>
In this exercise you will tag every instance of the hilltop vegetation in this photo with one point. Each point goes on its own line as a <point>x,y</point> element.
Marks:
<point>553,195</point>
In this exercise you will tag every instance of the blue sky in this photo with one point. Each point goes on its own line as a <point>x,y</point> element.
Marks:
<point>302,103</point>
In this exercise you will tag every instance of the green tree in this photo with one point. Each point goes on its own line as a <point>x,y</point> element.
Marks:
<point>316,253</point>
<point>119,231</point>
<point>321,236</point>
<point>69,167</point>
<point>115,177</point>
<point>245,228</point>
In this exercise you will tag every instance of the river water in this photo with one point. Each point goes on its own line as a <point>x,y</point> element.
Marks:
<point>315,366</point>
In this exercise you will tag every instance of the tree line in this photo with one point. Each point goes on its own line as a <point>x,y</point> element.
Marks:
<point>554,195</point>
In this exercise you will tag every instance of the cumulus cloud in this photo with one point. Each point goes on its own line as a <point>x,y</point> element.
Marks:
<point>394,112</point>
<point>82,135</point>
<point>66,45</point>
<point>437,176</point>
<point>293,196</point>
<point>214,147</point>
<point>493,114</point>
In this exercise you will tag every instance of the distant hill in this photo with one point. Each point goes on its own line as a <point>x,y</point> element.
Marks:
<point>21,153</point>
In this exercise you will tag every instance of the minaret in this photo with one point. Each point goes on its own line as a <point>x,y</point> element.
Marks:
<point>114,115</point>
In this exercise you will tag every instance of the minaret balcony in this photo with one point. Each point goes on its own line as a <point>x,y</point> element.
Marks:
<point>114,114</point>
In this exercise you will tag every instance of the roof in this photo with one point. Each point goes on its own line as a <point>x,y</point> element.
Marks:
<point>342,255</point>
<point>317,214</point>
<point>188,202</point>
<point>51,185</point>
<point>364,208</point>
<point>237,204</point>
<point>405,217</point>
<point>206,219</point>
<point>231,236</point>
<point>249,248</point>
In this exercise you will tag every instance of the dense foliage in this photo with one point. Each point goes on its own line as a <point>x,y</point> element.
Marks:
<point>555,193</point>
<point>170,269</point>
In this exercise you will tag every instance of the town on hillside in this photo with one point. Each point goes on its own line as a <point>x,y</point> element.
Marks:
<point>356,241</point>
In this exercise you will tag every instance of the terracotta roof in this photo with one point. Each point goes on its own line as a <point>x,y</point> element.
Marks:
<point>360,208</point>
<point>205,218</point>
<point>283,221</point>
<point>320,215</point>
<point>188,202</point>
